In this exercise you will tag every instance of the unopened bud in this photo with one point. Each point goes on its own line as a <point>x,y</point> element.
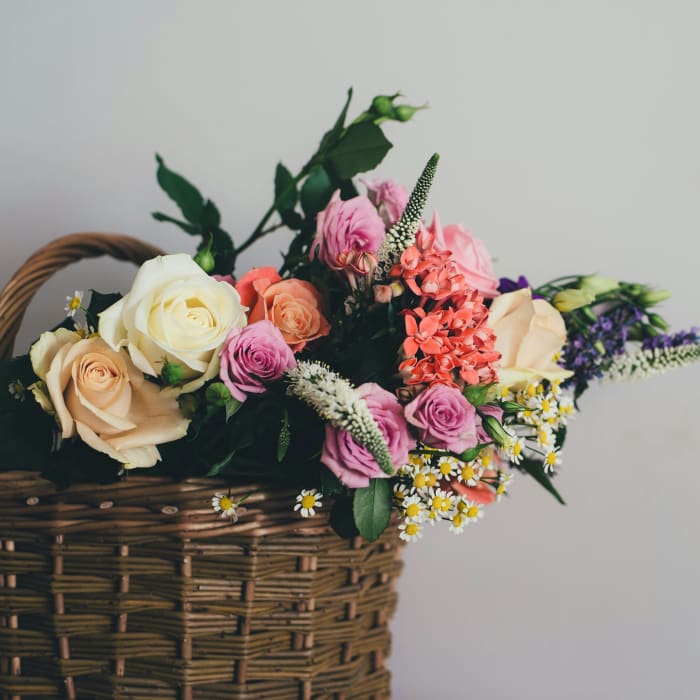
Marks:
<point>649,297</point>
<point>570,299</point>
<point>217,394</point>
<point>172,373</point>
<point>403,113</point>
<point>383,105</point>
<point>596,284</point>
<point>657,321</point>
<point>205,259</point>
<point>495,430</point>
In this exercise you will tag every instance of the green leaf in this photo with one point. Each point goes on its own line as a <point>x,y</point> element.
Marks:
<point>371,508</point>
<point>211,218</point>
<point>284,437</point>
<point>232,406</point>
<point>536,470</point>
<point>332,134</point>
<point>221,464</point>
<point>285,189</point>
<point>342,520</point>
<point>187,228</point>
<point>182,192</point>
<point>471,454</point>
<point>330,483</point>
<point>362,148</point>
<point>292,219</point>
<point>316,192</point>
<point>477,394</point>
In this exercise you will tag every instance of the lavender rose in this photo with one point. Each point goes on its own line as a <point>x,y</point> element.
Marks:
<point>351,226</point>
<point>444,418</point>
<point>354,464</point>
<point>390,198</point>
<point>253,356</point>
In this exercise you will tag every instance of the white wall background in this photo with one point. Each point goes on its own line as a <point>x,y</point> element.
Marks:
<point>570,142</point>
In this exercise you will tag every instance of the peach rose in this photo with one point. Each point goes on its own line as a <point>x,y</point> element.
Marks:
<point>254,283</point>
<point>294,306</point>
<point>529,335</point>
<point>100,395</point>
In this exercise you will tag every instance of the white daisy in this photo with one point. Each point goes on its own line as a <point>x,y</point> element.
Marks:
<point>414,509</point>
<point>552,459</point>
<point>17,390</point>
<point>410,532</point>
<point>504,485</point>
<point>73,303</point>
<point>472,511</point>
<point>457,523</point>
<point>470,473</point>
<point>307,502</point>
<point>223,503</point>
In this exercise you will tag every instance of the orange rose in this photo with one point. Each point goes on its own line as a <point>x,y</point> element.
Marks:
<point>294,306</point>
<point>254,283</point>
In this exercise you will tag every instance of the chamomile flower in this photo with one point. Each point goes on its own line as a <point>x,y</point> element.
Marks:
<point>505,480</point>
<point>470,473</point>
<point>486,457</point>
<point>432,476</point>
<point>566,408</point>
<point>420,480</point>
<point>447,466</point>
<point>545,436</point>
<point>414,509</point>
<point>547,406</point>
<point>73,303</point>
<point>529,416</point>
<point>457,523</point>
<point>555,386</point>
<point>410,532</point>
<point>400,492</point>
<point>83,329</point>
<point>515,454</point>
<point>552,459</point>
<point>440,502</point>
<point>307,502</point>
<point>505,394</point>
<point>225,505</point>
<point>472,511</point>
<point>17,390</point>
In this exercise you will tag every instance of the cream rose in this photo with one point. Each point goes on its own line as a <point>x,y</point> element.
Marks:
<point>176,313</point>
<point>529,334</point>
<point>98,394</point>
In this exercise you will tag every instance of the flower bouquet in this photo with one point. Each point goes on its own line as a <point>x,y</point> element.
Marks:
<point>380,380</point>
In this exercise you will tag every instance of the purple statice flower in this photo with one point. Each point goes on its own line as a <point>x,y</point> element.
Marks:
<point>689,337</point>
<point>588,353</point>
<point>505,285</point>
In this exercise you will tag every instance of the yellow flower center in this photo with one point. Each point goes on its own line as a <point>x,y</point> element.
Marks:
<point>308,501</point>
<point>419,480</point>
<point>457,519</point>
<point>517,449</point>
<point>501,490</point>
<point>467,472</point>
<point>485,460</point>
<point>445,468</point>
<point>430,479</point>
<point>472,511</point>
<point>445,505</point>
<point>225,503</point>
<point>411,529</point>
<point>546,406</point>
<point>74,304</point>
<point>436,502</point>
<point>412,510</point>
<point>551,458</point>
<point>531,390</point>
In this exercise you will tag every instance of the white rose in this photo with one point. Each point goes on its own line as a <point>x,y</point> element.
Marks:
<point>177,313</point>
<point>97,393</point>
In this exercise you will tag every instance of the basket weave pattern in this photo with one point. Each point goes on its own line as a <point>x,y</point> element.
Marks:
<point>138,589</point>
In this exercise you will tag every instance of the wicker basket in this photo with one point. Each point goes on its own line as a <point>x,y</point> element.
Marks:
<point>138,590</point>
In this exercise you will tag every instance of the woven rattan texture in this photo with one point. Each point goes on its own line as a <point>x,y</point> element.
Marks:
<point>139,590</point>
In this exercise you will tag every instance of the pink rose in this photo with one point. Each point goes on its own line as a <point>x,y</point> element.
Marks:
<point>351,226</point>
<point>469,254</point>
<point>353,464</point>
<point>389,197</point>
<point>253,356</point>
<point>444,418</point>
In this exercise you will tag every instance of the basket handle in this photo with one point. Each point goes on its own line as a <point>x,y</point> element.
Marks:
<point>20,290</point>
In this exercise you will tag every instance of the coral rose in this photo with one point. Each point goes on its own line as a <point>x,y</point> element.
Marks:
<point>98,394</point>
<point>529,335</point>
<point>294,306</point>
<point>354,464</point>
